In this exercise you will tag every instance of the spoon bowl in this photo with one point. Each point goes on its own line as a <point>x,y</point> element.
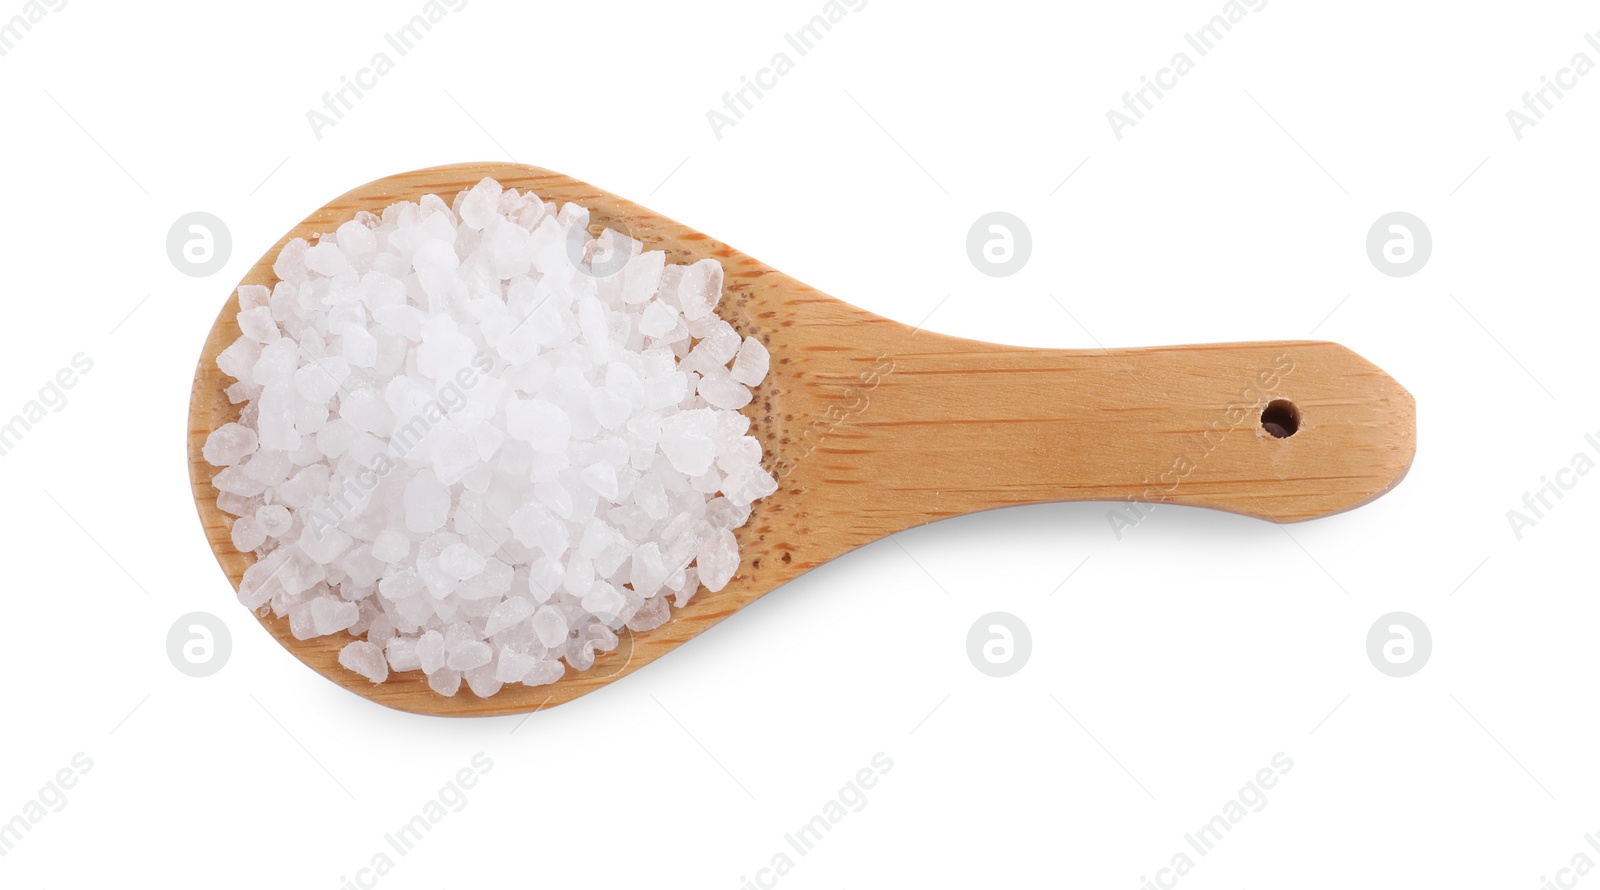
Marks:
<point>872,427</point>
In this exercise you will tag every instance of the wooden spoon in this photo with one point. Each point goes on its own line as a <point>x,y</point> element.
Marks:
<point>874,427</point>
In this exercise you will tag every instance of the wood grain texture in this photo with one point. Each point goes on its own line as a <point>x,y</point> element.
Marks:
<point>874,427</point>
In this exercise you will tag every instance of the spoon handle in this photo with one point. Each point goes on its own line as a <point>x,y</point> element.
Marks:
<point>921,426</point>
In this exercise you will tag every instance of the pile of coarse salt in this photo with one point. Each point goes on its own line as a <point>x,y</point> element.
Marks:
<point>484,440</point>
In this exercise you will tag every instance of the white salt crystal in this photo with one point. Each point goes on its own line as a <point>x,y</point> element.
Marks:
<point>291,262</point>
<point>331,615</point>
<point>278,360</point>
<point>716,348</point>
<point>480,204</point>
<point>325,258</point>
<point>556,497</point>
<point>592,327</point>
<point>544,672</point>
<point>482,680</point>
<point>363,409</point>
<point>508,614</point>
<point>403,320</point>
<point>390,546</point>
<point>274,519</point>
<point>365,659</point>
<point>460,562</point>
<point>550,625</point>
<point>275,417</point>
<point>510,250</point>
<point>543,425</point>
<point>440,584</point>
<point>301,624</point>
<point>722,391</point>
<point>236,504</point>
<point>444,681</point>
<point>623,381</point>
<point>257,324</point>
<point>748,485</point>
<point>513,665</point>
<point>545,576</point>
<point>452,452</point>
<point>322,544</point>
<point>690,452</point>
<point>247,534</point>
<point>700,288</point>
<point>717,560</point>
<point>658,319</point>
<point>430,651</point>
<point>610,408</point>
<point>602,477</point>
<point>651,615</point>
<point>491,583</point>
<point>744,452</point>
<point>750,364</point>
<point>298,491</point>
<point>663,390</point>
<point>642,276</point>
<point>651,497</point>
<point>239,359</point>
<point>402,653</point>
<point>603,600</point>
<point>427,503</point>
<point>649,570</point>
<point>235,481</point>
<point>688,583</point>
<point>228,444</point>
<point>319,379</point>
<point>436,264</point>
<point>468,655</point>
<point>252,296</point>
<point>359,347</point>
<point>596,537</point>
<point>241,391</point>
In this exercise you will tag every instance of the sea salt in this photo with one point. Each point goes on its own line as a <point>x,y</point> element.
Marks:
<point>750,363</point>
<point>366,659</point>
<point>479,442</point>
<point>228,444</point>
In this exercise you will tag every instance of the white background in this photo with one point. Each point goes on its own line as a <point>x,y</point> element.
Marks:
<point>1172,665</point>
